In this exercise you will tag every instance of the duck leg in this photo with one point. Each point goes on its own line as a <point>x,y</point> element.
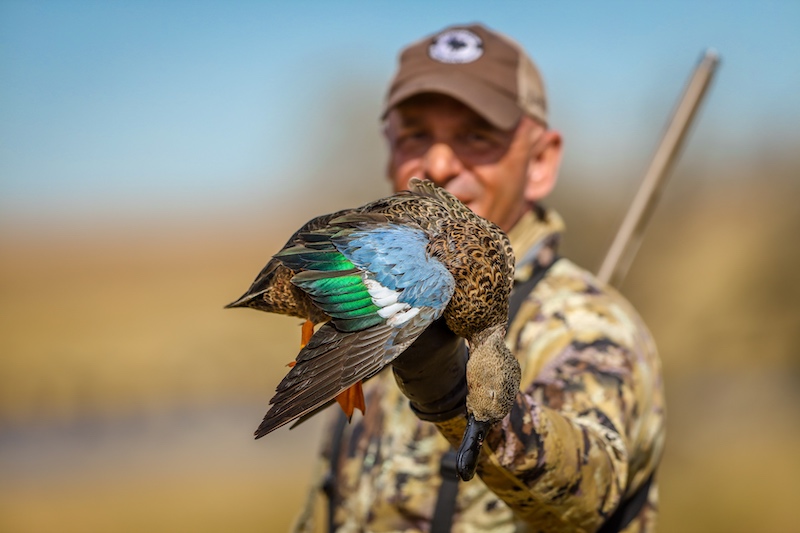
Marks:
<point>306,333</point>
<point>349,400</point>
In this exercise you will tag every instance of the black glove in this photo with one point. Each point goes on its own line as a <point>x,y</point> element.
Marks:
<point>432,373</point>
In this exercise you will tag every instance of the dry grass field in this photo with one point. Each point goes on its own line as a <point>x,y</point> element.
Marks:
<point>128,395</point>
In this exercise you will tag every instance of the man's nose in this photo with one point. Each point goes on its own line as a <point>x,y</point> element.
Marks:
<point>441,164</point>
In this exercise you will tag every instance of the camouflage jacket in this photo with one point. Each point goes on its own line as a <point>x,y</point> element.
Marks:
<point>587,428</point>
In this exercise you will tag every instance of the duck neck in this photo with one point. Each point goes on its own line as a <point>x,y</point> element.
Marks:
<point>491,341</point>
<point>488,336</point>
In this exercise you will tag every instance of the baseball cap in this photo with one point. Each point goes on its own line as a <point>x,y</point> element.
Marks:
<point>483,69</point>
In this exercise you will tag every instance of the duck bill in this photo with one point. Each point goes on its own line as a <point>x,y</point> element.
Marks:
<point>470,449</point>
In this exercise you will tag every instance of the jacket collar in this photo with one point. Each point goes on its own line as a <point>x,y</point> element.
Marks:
<point>535,240</point>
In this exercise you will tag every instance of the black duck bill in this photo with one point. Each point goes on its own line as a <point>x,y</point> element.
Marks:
<point>470,449</point>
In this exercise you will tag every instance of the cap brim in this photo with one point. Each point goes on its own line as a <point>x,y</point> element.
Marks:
<point>499,109</point>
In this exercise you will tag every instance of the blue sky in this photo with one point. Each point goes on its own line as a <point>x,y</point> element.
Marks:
<point>145,105</point>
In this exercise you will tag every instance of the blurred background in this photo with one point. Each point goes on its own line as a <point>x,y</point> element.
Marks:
<point>154,155</point>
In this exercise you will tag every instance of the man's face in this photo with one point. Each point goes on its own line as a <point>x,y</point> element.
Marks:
<point>491,170</point>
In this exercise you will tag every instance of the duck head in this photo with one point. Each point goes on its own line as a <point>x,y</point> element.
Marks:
<point>493,377</point>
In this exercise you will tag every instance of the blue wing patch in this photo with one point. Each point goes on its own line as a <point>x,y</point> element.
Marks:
<point>396,257</point>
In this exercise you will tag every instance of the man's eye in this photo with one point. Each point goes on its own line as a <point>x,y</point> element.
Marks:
<point>478,138</point>
<point>411,138</point>
<point>413,135</point>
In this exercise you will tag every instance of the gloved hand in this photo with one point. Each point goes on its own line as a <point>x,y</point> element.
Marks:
<point>432,373</point>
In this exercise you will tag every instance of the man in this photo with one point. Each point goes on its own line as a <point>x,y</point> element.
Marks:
<point>579,449</point>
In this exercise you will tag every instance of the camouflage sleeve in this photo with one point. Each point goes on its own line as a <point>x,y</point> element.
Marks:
<point>587,425</point>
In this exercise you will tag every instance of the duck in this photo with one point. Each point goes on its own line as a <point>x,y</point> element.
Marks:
<point>375,277</point>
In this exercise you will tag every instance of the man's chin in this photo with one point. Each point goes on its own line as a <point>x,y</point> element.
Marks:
<point>469,201</point>
<point>475,207</point>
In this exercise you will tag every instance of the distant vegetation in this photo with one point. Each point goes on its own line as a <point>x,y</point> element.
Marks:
<point>120,321</point>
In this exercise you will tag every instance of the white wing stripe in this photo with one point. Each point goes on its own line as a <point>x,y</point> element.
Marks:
<point>381,296</point>
<point>402,318</point>
<point>395,313</point>
<point>393,309</point>
<point>388,300</point>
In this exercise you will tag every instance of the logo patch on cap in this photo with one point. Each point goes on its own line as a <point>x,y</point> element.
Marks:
<point>456,46</point>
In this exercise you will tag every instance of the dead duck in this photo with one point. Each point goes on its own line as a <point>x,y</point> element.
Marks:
<point>383,273</point>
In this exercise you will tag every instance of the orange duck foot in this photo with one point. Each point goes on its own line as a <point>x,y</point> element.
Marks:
<point>351,399</point>
<point>307,333</point>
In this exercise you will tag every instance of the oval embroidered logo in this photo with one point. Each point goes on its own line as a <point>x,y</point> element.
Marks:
<point>456,46</point>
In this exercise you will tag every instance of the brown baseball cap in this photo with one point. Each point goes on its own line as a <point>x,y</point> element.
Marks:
<point>483,69</point>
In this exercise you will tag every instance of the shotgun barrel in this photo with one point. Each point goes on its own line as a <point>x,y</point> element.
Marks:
<point>629,236</point>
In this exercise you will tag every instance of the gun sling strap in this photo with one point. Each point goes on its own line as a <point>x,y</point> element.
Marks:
<point>448,490</point>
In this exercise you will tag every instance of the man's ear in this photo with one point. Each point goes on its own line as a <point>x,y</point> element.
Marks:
<point>543,166</point>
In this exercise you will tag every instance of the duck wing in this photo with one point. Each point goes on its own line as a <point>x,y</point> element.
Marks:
<point>380,288</point>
